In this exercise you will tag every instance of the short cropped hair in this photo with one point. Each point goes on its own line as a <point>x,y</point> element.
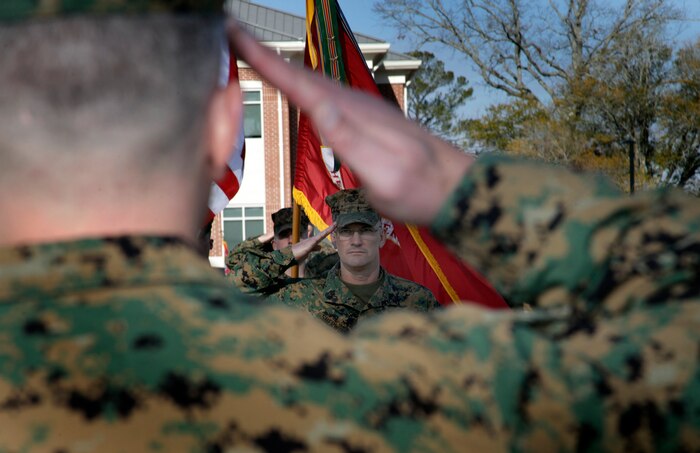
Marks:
<point>136,85</point>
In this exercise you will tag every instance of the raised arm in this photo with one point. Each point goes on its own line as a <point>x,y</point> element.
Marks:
<point>256,270</point>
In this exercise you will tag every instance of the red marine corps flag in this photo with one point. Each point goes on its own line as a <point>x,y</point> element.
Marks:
<point>410,252</point>
<point>223,190</point>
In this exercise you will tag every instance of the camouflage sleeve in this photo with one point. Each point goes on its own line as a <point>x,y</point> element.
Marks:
<point>255,270</point>
<point>607,388</point>
<point>239,252</point>
<point>424,298</point>
<point>318,263</point>
<point>431,302</point>
<point>547,236</point>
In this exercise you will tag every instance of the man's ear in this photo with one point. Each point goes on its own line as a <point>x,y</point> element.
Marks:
<point>382,236</point>
<point>223,127</point>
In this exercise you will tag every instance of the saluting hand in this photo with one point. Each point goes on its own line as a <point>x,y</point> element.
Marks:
<point>407,172</point>
<point>267,237</point>
<point>305,246</point>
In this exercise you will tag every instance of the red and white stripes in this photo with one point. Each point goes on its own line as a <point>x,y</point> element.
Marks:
<point>224,189</point>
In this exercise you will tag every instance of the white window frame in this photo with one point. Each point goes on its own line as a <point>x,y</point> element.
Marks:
<point>243,219</point>
<point>250,86</point>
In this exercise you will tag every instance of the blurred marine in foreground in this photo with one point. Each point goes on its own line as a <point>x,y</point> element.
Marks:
<point>117,336</point>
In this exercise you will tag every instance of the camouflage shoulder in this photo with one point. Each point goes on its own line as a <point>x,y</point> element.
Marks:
<point>548,236</point>
<point>319,263</point>
<point>408,285</point>
<point>299,292</point>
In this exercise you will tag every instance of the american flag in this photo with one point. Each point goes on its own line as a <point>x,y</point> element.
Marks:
<point>223,190</point>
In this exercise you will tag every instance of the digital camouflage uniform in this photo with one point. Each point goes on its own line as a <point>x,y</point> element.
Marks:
<point>317,264</point>
<point>134,344</point>
<point>260,272</point>
<point>326,297</point>
<point>320,262</point>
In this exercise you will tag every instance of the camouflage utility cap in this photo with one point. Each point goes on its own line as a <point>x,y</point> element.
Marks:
<point>350,206</point>
<point>282,220</point>
<point>15,10</point>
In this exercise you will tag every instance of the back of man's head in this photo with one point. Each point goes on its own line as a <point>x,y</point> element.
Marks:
<point>104,77</point>
<point>136,84</point>
<point>94,89</point>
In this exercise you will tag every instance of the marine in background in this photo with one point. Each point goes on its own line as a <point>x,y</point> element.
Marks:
<point>357,287</point>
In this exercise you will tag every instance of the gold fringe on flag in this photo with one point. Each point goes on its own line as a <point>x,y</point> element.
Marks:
<point>423,247</point>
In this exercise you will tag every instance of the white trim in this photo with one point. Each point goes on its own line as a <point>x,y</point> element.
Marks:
<point>218,261</point>
<point>405,99</point>
<point>285,46</point>
<point>378,47</point>
<point>298,46</point>
<point>396,65</point>
<point>251,85</point>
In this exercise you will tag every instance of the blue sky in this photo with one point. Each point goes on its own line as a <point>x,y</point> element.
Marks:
<point>362,20</point>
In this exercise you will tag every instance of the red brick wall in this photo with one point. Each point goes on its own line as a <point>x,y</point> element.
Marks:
<point>398,90</point>
<point>392,92</point>
<point>216,236</point>
<point>287,116</point>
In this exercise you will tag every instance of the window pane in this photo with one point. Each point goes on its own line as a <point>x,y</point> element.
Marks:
<point>254,212</point>
<point>254,228</point>
<point>252,122</point>
<point>251,96</point>
<point>233,232</point>
<point>233,212</point>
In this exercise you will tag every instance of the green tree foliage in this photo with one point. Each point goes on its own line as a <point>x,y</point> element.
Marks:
<point>525,128</point>
<point>435,95</point>
<point>504,124</point>
<point>625,91</point>
<point>679,122</point>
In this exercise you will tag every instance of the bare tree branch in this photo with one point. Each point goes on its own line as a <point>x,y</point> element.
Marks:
<point>516,45</point>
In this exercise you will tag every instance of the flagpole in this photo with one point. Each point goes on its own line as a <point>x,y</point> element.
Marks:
<point>296,215</point>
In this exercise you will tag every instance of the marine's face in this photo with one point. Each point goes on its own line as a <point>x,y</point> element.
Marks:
<point>285,238</point>
<point>282,240</point>
<point>358,245</point>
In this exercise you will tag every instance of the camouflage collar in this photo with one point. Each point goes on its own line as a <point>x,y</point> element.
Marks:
<point>17,10</point>
<point>336,293</point>
<point>93,264</point>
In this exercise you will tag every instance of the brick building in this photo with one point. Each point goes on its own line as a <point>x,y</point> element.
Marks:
<point>270,122</point>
